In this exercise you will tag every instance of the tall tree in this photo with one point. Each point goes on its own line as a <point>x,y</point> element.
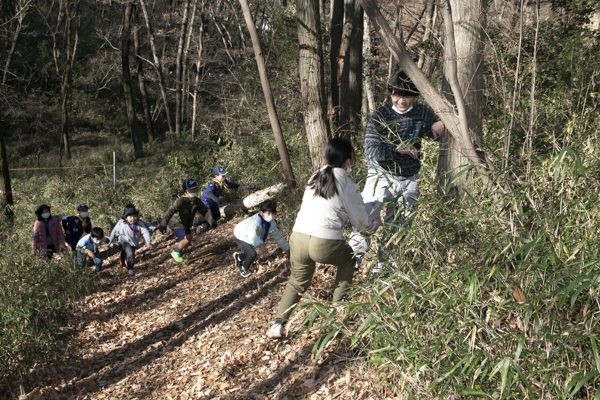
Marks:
<point>66,36</point>
<point>179,67</point>
<point>312,84</point>
<point>15,26</point>
<point>141,77</point>
<point>134,126</point>
<point>351,74</point>
<point>466,18</point>
<point>7,194</point>
<point>272,110</point>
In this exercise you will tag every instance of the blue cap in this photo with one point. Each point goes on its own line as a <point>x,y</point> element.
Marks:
<point>82,207</point>
<point>189,183</point>
<point>218,170</point>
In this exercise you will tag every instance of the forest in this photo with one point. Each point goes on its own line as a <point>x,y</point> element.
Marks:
<point>491,291</point>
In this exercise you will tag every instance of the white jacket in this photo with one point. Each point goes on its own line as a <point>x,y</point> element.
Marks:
<point>126,234</point>
<point>252,231</point>
<point>326,219</point>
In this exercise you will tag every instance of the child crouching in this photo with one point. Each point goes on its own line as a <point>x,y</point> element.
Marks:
<point>129,230</point>
<point>87,248</point>
<point>251,234</point>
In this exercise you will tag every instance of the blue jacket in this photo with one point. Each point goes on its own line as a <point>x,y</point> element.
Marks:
<point>73,224</point>
<point>254,231</point>
<point>212,194</point>
<point>86,243</point>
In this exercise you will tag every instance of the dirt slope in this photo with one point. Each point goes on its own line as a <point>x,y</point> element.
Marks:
<point>193,331</point>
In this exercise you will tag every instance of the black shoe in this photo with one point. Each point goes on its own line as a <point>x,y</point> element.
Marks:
<point>358,257</point>
<point>236,260</point>
<point>244,272</point>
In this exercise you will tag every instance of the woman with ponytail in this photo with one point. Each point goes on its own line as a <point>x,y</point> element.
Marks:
<point>331,201</point>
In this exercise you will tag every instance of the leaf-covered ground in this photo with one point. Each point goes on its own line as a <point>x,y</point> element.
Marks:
<point>193,331</point>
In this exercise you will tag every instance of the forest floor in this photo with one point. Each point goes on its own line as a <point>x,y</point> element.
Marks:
<point>194,331</point>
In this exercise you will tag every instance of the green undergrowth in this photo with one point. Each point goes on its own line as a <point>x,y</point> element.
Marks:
<point>495,296</point>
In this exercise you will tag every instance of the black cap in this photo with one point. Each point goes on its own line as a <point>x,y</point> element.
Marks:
<point>129,211</point>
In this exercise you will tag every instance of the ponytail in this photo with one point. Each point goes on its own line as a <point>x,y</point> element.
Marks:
<point>337,151</point>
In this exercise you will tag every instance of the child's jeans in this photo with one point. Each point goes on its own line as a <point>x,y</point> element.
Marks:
<point>248,252</point>
<point>127,254</point>
<point>83,257</point>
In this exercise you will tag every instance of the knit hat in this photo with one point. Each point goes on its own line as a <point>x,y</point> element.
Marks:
<point>403,85</point>
<point>82,207</point>
<point>189,183</point>
<point>218,170</point>
<point>129,211</point>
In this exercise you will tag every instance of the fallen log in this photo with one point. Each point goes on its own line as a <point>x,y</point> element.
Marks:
<point>252,200</point>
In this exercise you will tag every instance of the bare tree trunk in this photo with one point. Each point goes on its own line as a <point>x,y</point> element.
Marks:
<point>185,74</point>
<point>64,55</point>
<point>368,98</point>
<point>197,72</point>
<point>134,126</point>
<point>7,204</point>
<point>264,80</point>
<point>251,200</point>
<point>336,26</point>
<point>23,7</point>
<point>351,82</point>
<point>312,85</point>
<point>179,67</point>
<point>157,65</point>
<point>141,83</point>
<point>528,148</point>
<point>466,19</point>
<point>424,61</point>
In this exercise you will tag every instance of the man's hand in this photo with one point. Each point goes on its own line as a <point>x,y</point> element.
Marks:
<point>437,129</point>
<point>408,150</point>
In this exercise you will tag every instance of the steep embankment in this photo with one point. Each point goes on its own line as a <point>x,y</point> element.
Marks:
<point>193,331</point>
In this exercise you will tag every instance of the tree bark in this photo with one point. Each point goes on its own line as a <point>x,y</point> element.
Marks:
<point>22,10</point>
<point>351,82</point>
<point>336,26</point>
<point>134,126</point>
<point>468,23</point>
<point>179,67</point>
<point>264,80</point>
<point>157,65</point>
<point>7,203</point>
<point>141,77</point>
<point>312,85</point>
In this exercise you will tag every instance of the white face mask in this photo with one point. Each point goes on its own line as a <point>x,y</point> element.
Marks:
<point>46,215</point>
<point>192,195</point>
<point>83,214</point>
<point>268,218</point>
<point>96,241</point>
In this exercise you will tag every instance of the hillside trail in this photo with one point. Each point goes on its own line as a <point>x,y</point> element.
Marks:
<point>194,331</point>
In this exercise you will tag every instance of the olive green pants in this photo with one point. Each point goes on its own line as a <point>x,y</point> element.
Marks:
<point>305,251</point>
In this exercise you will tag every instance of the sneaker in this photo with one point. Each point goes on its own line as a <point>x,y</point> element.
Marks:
<point>359,258</point>
<point>130,272</point>
<point>236,260</point>
<point>203,228</point>
<point>275,331</point>
<point>121,262</point>
<point>244,272</point>
<point>98,269</point>
<point>177,257</point>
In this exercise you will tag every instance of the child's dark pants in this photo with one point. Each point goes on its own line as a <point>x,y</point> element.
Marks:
<point>127,254</point>
<point>248,252</point>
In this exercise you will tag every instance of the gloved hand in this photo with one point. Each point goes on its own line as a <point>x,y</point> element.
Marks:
<point>247,188</point>
<point>162,229</point>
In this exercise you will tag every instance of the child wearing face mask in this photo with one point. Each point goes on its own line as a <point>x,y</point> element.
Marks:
<point>75,225</point>
<point>251,234</point>
<point>180,217</point>
<point>88,248</point>
<point>211,197</point>
<point>129,231</point>
<point>47,236</point>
